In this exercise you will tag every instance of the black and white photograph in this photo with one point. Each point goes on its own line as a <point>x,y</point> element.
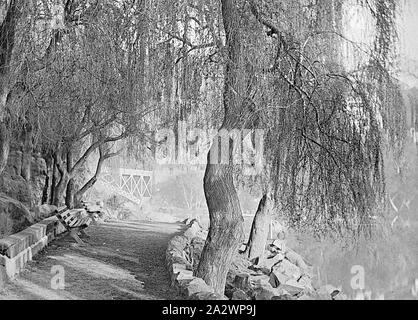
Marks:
<point>222,157</point>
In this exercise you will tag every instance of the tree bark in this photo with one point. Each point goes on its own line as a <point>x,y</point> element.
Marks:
<point>54,178</point>
<point>27,153</point>
<point>89,184</point>
<point>70,190</point>
<point>78,197</point>
<point>4,145</point>
<point>225,231</point>
<point>259,231</point>
<point>70,194</point>
<point>7,42</point>
<point>60,188</point>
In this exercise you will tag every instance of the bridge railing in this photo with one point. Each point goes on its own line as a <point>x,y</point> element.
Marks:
<point>135,185</point>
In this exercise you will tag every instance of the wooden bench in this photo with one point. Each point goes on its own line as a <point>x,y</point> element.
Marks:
<point>75,221</point>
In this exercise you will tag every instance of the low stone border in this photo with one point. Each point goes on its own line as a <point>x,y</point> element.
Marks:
<point>180,267</point>
<point>19,248</point>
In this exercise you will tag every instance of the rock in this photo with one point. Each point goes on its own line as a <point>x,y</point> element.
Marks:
<point>269,263</point>
<point>197,245</point>
<point>272,249</point>
<point>241,264</point>
<point>210,296</point>
<point>306,297</point>
<point>193,230</point>
<point>178,242</point>
<point>14,216</point>
<point>255,261</point>
<point>306,282</point>
<point>178,267</point>
<point>183,276</point>
<point>17,188</point>
<point>44,211</point>
<point>267,292</point>
<point>293,287</point>
<point>259,280</point>
<point>240,295</point>
<point>277,278</point>
<point>24,177</point>
<point>289,269</point>
<point>242,281</point>
<point>197,285</point>
<point>242,248</point>
<point>283,297</point>
<point>280,245</point>
<point>278,230</point>
<point>260,270</point>
<point>329,290</point>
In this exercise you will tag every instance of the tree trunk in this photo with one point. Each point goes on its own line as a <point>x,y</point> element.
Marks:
<point>54,179</point>
<point>27,153</point>
<point>69,193</point>
<point>259,231</point>
<point>7,41</point>
<point>89,184</point>
<point>4,145</point>
<point>59,189</point>
<point>225,231</point>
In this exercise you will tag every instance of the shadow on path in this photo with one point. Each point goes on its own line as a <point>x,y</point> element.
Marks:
<point>123,261</point>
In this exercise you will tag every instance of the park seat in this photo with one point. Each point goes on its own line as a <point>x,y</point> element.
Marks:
<point>75,221</point>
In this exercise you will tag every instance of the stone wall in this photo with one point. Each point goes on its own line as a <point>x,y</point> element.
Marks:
<point>21,247</point>
<point>281,274</point>
<point>180,265</point>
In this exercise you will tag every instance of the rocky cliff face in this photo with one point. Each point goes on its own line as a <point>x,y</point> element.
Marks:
<point>24,178</point>
<point>21,189</point>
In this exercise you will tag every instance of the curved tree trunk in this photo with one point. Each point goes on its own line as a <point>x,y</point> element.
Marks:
<point>60,188</point>
<point>259,231</point>
<point>225,231</point>
<point>103,156</point>
<point>69,193</point>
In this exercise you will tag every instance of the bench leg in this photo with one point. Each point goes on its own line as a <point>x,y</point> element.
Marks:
<point>74,235</point>
<point>83,233</point>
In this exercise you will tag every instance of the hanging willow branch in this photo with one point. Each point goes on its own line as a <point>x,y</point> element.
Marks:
<point>327,127</point>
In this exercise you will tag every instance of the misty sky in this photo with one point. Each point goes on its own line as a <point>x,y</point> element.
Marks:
<point>408,33</point>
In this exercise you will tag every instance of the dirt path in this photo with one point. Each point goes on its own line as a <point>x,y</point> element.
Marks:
<point>125,260</point>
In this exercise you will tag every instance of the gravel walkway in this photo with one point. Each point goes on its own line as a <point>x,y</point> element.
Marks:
<point>123,261</point>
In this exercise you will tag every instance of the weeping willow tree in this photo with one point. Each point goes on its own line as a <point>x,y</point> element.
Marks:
<point>327,162</point>
<point>325,126</point>
<point>181,69</point>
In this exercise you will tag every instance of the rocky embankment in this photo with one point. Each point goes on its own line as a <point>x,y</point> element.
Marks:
<point>281,275</point>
